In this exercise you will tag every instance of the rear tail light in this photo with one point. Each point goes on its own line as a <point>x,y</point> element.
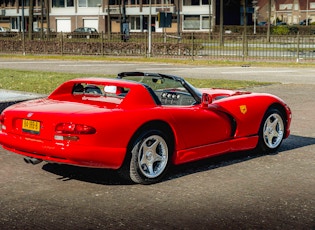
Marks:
<point>70,128</point>
<point>68,131</point>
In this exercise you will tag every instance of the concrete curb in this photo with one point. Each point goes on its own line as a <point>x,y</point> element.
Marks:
<point>9,97</point>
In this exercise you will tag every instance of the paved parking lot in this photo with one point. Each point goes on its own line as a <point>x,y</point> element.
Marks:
<point>237,191</point>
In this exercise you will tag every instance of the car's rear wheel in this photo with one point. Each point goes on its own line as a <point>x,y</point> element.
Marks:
<point>150,157</point>
<point>272,131</point>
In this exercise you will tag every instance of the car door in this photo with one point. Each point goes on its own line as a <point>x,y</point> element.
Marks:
<point>197,126</point>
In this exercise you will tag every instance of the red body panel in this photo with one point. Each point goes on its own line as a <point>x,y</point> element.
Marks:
<point>228,124</point>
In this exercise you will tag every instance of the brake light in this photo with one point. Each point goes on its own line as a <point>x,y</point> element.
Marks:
<point>70,128</point>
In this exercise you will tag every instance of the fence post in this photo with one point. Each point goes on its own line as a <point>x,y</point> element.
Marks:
<point>298,47</point>
<point>145,44</point>
<point>61,43</point>
<point>192,46</point>
<point>102,44</point>
<point>245,45</point>
<point>23,42</point>
<point>164,41</point>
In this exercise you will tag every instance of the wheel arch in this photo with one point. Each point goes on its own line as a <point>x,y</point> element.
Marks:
<point>280,109</point>
<point>152,125</point>
<point>283,112</point>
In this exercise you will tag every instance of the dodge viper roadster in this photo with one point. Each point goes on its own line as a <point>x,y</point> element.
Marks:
<point>141,124</point>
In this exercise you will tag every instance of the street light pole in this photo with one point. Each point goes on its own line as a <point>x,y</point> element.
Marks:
<point>23,27</point>
<point>269,20</point>
<point>178,19</point>
<point>306,22</point>
<point>255,14</point>
<point>150,30</point>
<point>98,16</point>
<point>210,13</point>
<point>221,22</point>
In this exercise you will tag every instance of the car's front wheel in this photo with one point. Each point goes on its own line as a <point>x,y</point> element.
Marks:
<point>150,157</point>
<point>272,131</point>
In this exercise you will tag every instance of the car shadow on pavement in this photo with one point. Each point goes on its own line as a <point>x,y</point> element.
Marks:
<point>291,143</point>
<point>295,142</point>
<point>111,177</point>
<point>91,175</point>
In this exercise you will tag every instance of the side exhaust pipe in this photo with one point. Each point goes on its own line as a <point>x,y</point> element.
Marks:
<point>31,160</point>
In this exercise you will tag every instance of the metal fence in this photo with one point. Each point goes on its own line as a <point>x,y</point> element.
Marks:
<point>186,45</point>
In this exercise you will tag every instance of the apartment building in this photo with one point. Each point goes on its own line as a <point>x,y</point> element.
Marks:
<point>108,15</point>
<point>291,12</point>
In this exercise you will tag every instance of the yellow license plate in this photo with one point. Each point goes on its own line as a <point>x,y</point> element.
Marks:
<point>31,126</point>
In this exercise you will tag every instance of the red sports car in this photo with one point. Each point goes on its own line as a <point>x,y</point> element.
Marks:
<point>141,123</point>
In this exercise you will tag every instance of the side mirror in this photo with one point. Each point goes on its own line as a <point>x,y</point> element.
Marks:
<point>206,100</point>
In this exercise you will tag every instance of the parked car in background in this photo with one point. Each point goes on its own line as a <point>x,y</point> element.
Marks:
<point>84,32</point>
<point>262,24</point>
<point>281,24</point>
<point>4,31</point>
<point>45,30</point>
<point>303,23</point>
<point>43,33</point>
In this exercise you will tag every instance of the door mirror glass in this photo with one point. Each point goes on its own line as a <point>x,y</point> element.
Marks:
<point>206,100</point>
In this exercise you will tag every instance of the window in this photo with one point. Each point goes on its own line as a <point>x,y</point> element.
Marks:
<point>157,2</point>
<point>82,3</point>
<point>135,23</point>
<point>134,2</point>
<point>26,2</point>
<point>58,3</point>
<point>96,93</point>
<point>89,3</point>
<point>205,22</point>
<point>62,3</point>
<point>114,2</point>
<point>191,2</point>
<point>191,22</point>
<point>70,3</point>
<point>195,2</point>
<point>94,3</point>
<point>14,24</point>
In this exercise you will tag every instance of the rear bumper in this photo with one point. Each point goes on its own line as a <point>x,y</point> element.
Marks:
<point>64,152</point>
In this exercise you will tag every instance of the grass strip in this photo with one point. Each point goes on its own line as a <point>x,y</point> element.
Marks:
<point>45,82</point>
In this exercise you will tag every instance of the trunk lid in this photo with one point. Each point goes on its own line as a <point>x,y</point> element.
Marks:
<point>37,119</point>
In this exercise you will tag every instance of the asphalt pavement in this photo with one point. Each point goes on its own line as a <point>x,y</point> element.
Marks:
<point>296,75</point>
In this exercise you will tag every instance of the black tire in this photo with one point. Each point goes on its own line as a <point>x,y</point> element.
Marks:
<point>272,131</point>
<point>150,156</point>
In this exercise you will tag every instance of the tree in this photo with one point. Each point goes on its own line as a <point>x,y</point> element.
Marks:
<point>30,21</point>
<point>269,20</point>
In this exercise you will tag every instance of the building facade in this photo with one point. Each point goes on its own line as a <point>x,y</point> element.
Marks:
<point>291,12</point>
<point>110,15</point>
<point>107,15</point>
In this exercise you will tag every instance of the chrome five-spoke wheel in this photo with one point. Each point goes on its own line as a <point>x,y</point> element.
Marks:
<point>153,156</point>
<point>150,156</point>
<point>272,131</point>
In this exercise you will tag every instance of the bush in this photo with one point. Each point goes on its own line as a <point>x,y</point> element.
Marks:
<point>280,30</point>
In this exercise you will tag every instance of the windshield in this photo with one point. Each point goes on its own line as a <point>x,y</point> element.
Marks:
<point>169,90</point>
